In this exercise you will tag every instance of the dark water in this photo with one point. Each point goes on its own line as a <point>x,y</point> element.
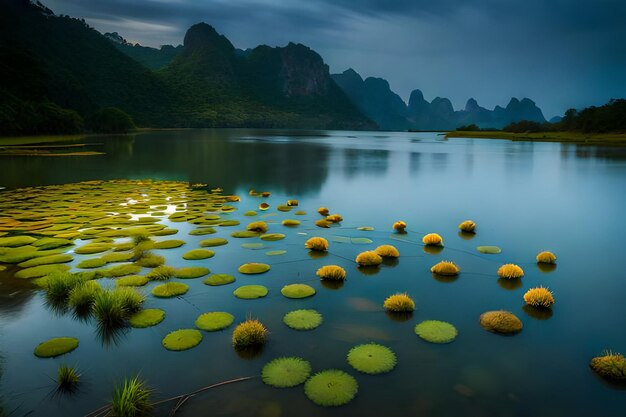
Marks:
<point>525,197</point>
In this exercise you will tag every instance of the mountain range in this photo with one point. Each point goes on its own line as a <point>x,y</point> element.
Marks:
<point>62,65</point>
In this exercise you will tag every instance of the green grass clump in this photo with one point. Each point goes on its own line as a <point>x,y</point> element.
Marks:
<point>56,347</point>
<point>146,318</point>
<point>91,263</point>
<point>182,339</point>
<point>131,399</point>
<point>150,260</point>
<point>41,270</point>
<point>191,272</point>
<point>331,388</point>
<point>59,285</point>
<point>214,321</point>
<point>170,289</point>
<point>286,372</point>
<point>67,378</point>
<point>82,296</point>
<point>169,244</point>
<point>372,358</point>
<point>219,279</point>
<point>303,319</point>
<point>198,254</point>
<point>132,281</point>
<point>121,270</point>
<point>161,273</point>
<point>47,260</point>
<point>132,300</point>
<point>109,310</point>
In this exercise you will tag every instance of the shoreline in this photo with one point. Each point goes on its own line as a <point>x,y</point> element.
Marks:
<point>562,137</point>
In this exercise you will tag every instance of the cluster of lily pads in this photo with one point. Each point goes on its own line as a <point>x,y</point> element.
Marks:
<point>112,226</point>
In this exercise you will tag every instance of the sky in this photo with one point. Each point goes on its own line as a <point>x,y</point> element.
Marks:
<point>559,53</point>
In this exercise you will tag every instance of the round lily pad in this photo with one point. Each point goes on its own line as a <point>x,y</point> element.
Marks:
<point>253,268</point>
<point>198,254</point>
<point>214,321</point>
<point>182,339</point>
<point>170,289</point>
<point>297,291</point>
<point>361,240</point>
<point>250,292</point>
<point>272,236</point>
<point>56,347</point>
<point>219,279</point>
<point>132,281</point>
<point>365,228</point>
<point>286,372</point>
<point>229,223</point>
<point>291,222</point>
<point>41,270</point>
<point>372,358</point>
<point>169,244</point>
<point>303,319</point>
<point>191,272</point>
<point>489,249</point>
<point>435,331</point>
<point>275,252</point>
<point>245,234</point>
<point>253,246</point>
<point>202,231</point>
<point>214,241</point>
<point>147,318</point>
<point>331,388</point>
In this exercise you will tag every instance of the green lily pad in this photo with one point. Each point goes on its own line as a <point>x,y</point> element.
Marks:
<point>182,339</point>
<point>198,254</point>
<point>219,279</point>
<point>253,246</point>
<point>340,239</point>
<point>47,260</point>
<point>297,291</point>
<point>361,240</point>
<point>253,268</point>
<point>147,318</point>
<point>132,281</point>
<point>489,249</point>
<point>435,331</point>
<point>202,231</point>
<point>52,243</point>
<point>121,270</point>
<point>41,270</point>
<point>16,241</point>
<point>191,272</point>
<point>117,257</point>
<point>275,252</point>
<point>331,388</point>
<point>92,248</point>
<point>56,347</point>
<point>272,236</point>
<point>214,321</point>
<point>169,244</point>
<point>372,358</point>
<point>214,241</point>
<point>229,223</point>
<point>245,234</point>
<point>291,222</point>
<point>170,289</point>
<point>250,213</point>
<point>286,372</point>
<point>250,292</point>
<point>365,228</point>
<point>303,319</point>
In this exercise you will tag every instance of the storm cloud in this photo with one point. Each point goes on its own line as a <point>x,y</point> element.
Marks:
<point>560,53</point>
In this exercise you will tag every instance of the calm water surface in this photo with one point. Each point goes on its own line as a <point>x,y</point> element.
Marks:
<point>525,197</point>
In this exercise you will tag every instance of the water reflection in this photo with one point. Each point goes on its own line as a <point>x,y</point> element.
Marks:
<point>537,312</point>
<point>365,161</point>
<point>510,284</point>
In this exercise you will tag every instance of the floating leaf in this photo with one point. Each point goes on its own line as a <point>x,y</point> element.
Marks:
<point>291,222</point>
<point>214,321</point>
<point>361,240</point>
<point>191,272</point>
<point>372,358</point>
<point>56,347</point>
<point>340,239</point>
<point>41,270</point>
<point>245,234</point>
<point>272,236</point>
<point>202,231</point>
<point>132,281</point>
<point>303,319</point>
<point>215,241</point>
<point>219,279</point>
<point>297,291</point>
<point>198,254</point>
<point>252,246</point>
<point>365,228</point>
<point>182,339</point>
<point>435,331</point>
<point>286,372</point>
<point>275,252</point>
<point>250,292</point>
<point>170,289</point>
<point>253,268</point>
<point>489,249</point>
<point>169,244</point>
<point>331,388</point>
<point>147,318</point>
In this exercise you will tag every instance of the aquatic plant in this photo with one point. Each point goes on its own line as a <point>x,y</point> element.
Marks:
<point>46,260</point>
<point>510,271</point>
<point>292,203</point>
<point>368,258</point>
<point>286,372</point>
<point>399,226</point>
<point>372,358</point>
<point>297,291</point>
<point>56,347</point>
<point>59,285</point>
<point>130,298</point>
<point>202,231</point>
<point>250,292</point>
<point>91,263</point>
<point>432,239</point>
<point>387,251</point>
<point>219,279</point>
<point>331,387</point>
<point>170,289</point>
<point>67,378</point>
<point>491,250</point>
<point>215,241</point>
<point>323,211</point>
<point>272,237</point>
<point>323,223</point>
<point>611,366</point>
<point>259,227</point>
<point>109,310</point>
<point>41,270</point>
<point>146,318</point>
<point>169,244</point>
<point>435,331</point>
<point>131,399</point>
<point>399,302</point>
<point>198,254</point>
<point>92,248</point>
<point>283,207</point>
<point>446,268</point>
<point>264,206</point>
<point>501,321</point>
<point>331,272</point>
<point>182,339</point>
<point>334,218</point>
<point>191,272</point>
<point>253,268</point>
<point>82,296</point>
<point>249,333</point>
<point>303,319</point>
<point>132,281</point>
<point>117,257</point>
<point>290,222</point>
<point>16,241</point>
<point>539,297</point>
<point>161,273</point>
<point>214,321</point>
<point>546,258</point>
<point>316,243</point>
<point>467,226</point>
<point>121,270</point>
<point>150,260</point>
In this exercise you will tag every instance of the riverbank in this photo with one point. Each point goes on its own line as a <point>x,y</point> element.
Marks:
<point>565,137</point>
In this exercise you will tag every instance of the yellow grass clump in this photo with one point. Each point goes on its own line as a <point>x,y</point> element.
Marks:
<point>399,226</point>
<point>510,271</point>
<point>611,366</point>
<point>323,211</point>
<point>467,226</point>
<point>445,268</point>
<point>500,322</point>
<point>387,251</point>
<point>539,297</point>
<point>399,303</point>
<point>264,206</point>
<point>334,218</point>
<point>546,258</point>
<point>368,258</point>
<point>249,333</point>
<point>317,243</point>
<point>432,239</point>
<point>260,227</point>
<point>322,223</point>
<point>331,272</point>
<point>292,203</point>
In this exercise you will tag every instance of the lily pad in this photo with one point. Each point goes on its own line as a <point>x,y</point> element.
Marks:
<point>191,272</point>
<point>435,331</point>
<point>250,292</point>
<point>331,388</point>
<point>182,339</point>
<point>47,260</point>
<point>272,236</point>
<point>253,268</point>
<point>291,222</point>
<point>275,252</point>
<point>198,254</point>
<point>219,279</point>
<point>16,241</point>
<point>297,291</point>
<point>170,289</point>
<point>214,321</point>
<point>252,246</point>
<point>41,270</point>
<point>215,241</point>
<point>489,249</point>
<point>303,319</point>
<point>169,244</point>
<point>245,234</point>
<point>365,228</point>
<point>202,231</point>
<point>361,240</point>
<point>147,318</point>
<point>372,358</point>
<point>286,372</point>
<point>52,243</point>
<point>229,223</point>
<point>132,281</point>
<point>56,347</point>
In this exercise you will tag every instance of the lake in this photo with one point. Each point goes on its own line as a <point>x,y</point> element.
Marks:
<point>525,197</point>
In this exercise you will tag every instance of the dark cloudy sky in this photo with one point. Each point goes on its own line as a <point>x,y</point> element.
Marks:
<point>560,53</point>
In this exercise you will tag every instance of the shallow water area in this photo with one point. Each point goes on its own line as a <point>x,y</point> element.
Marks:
<point>525,198</point>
